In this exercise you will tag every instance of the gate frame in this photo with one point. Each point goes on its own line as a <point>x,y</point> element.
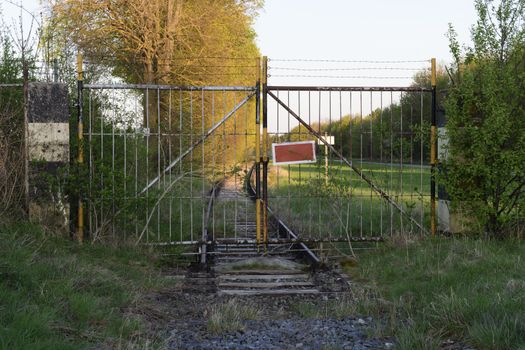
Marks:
<point>261,91</point>
<point>80,232</point>
<point>267,91</point>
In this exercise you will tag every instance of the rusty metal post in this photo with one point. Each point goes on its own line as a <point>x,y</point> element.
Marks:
<point>433,151</point>
<point>265,147</point>
<point>80,158</point>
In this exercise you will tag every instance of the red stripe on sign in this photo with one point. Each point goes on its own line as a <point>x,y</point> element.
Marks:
<point>294,152</point>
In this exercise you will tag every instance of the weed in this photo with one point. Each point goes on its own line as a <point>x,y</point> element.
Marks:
<point>230,317</point>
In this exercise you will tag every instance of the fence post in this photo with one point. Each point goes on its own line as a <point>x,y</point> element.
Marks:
<point>433,151</point>
<point>265,147</point>
<point>80,158</point>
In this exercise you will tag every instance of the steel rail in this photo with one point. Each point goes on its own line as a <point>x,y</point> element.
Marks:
<point>281,224</point>
<point>205,236</point>
<point>377,189</point>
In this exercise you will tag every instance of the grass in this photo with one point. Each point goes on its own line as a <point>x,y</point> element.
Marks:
<point>56,294</point>
<point>178,216</point>
<point>230,316</point>
<point>345,204</point>
<point>361,300</point>
<point>469,290</point>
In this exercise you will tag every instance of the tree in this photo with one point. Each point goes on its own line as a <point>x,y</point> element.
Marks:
<point>485,175</point>
<point>161,41</point>
<point>176,42</point>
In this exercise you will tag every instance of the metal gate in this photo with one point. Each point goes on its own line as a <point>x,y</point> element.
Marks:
<point>169,164</point>
<point>155,155</point>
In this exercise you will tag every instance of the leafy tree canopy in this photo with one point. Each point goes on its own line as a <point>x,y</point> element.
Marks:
<point>485,175</point>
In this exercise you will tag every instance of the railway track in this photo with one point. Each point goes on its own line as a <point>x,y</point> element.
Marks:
<point>241,267</point>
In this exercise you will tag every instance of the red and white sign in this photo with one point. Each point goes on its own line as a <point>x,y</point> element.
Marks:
<point>293,152</point>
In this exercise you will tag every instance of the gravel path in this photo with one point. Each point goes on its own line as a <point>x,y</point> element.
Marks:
<point>348,333</point>
<point>278,325</point>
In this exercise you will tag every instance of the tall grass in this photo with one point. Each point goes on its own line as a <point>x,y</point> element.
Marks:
<point>469,290</point>
<point>55,294</point>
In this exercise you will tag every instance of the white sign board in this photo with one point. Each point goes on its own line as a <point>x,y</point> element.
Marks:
<point>329,139</point>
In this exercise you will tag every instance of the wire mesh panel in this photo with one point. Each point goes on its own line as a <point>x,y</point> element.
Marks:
<point>372,174</point>
<point>157,152</point>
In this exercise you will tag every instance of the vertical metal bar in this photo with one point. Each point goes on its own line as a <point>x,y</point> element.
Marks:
<point>245,152</point>
<point>288,190</point>
<point>224,223</point>
<point>181,186</point>
<point>80,159</point>
<point>265,147</point>
<point>381,135</point>
<point>421,149</point>
<point>204,223</point>
<point>411,172</point>
<point>371,160</point>
<point>391,160</point>
<point>113,215</point>
<point>433,152</point>
<point>310,175</point>
<point>170,133</point>
<point>125,172</point>
<point>90,161</point>
<point>401,155</point>
<point>158,163</point>
<point>258,153</point>
<point>136,136</point>
<point>361,194</point>
<point>350,151</point>
<point>298,198</point>
<point>340,167</point>
<point>214,159</point>
<point>235,174</point>
<point>191,165</point>
<point>148,132</point>
<point>319,229</point>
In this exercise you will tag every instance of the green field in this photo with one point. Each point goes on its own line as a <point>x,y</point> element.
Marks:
<point>344,204</point>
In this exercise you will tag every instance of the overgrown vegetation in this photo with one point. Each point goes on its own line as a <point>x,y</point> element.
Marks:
<point>464,289</point>
<point>11,131</point>
<point>484,172</point>
<point>55,294</point>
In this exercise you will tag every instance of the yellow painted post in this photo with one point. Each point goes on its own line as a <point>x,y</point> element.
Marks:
<point>433,151</point>
<point>265,147</point>
<point>80,159</point>
<point>258,155</point>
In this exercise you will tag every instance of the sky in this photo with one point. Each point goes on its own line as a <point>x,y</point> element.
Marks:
<point>346,29</point>
<point>358,29</point>
<point>345,42</point>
